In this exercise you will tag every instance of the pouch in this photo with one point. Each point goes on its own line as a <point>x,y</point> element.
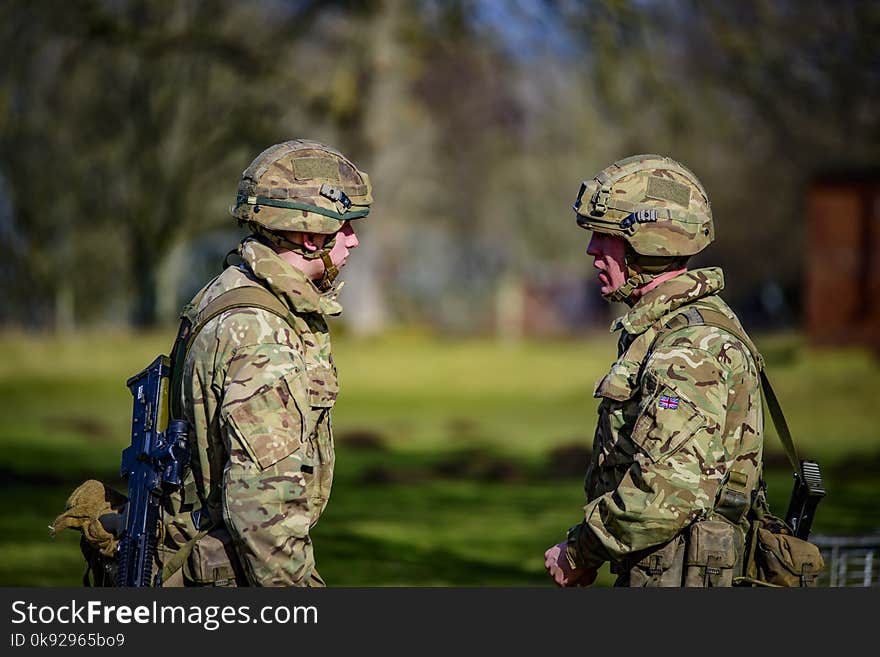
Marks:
<point>713,554</point>
<point>210,562</point>
<point>660,568</point>
<point>785,560</point>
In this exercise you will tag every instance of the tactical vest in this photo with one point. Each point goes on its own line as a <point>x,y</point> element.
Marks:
<point>713,553</point>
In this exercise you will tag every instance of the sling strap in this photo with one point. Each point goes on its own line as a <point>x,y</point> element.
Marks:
<point>175,563</point>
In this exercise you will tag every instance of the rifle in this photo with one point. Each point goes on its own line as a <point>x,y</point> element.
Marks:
<point>153,465</point>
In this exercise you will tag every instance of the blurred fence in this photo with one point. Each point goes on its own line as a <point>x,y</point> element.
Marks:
<point>849,560</point>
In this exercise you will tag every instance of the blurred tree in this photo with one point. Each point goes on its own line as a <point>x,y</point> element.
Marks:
<point>811,70</point>
<point>120,120</point>
<point>117,117</point>
<point>427,109</point>
<point>793,87</point>
<point>754,96</point>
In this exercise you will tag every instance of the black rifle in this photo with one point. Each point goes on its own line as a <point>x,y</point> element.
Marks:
<point>808,491</point>
<point>153,465</point>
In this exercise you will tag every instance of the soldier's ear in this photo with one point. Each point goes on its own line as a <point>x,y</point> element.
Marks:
<point>314,241</point>
<point>311,241</point>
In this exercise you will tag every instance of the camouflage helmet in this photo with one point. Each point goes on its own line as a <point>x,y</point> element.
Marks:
<point>656,204</point>
<point>302,185</point>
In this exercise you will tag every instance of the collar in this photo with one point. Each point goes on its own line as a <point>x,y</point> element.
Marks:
<point>287,282</point>
<point>669,296</point>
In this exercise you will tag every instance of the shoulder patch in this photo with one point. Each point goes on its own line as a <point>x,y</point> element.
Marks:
<point>668,402</point>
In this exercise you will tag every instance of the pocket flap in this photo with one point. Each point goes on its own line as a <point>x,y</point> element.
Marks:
<point>713,543</point>
<point>270,425</point>
<point>797,556</point>
<point>323,387</point>
<point>666,423</point>
<point>663,558</point>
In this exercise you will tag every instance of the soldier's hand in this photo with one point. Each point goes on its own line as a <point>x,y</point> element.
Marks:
<point>561,571</point>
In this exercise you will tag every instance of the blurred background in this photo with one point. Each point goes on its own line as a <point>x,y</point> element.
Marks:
<point>473,330</point>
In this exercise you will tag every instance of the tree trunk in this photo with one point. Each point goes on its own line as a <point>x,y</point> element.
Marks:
<point>144,272</point>
<point>64,307</point>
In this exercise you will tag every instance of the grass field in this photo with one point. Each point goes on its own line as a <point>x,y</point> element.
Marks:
<point>459,461</point>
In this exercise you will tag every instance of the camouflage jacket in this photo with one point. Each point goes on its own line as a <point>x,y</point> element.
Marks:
<point>678,410</point>
<point>257,393</point>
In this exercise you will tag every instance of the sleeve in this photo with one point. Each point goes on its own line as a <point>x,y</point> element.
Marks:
<point>265,502</point>
<point>678,461</point>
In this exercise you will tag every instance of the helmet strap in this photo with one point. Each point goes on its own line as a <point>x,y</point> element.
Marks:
<point>656,264</point>
<point>635,279</point>
<point>272,238</point>
<point>623,294</point>
<point>649,268</point>
<point>331,271</point>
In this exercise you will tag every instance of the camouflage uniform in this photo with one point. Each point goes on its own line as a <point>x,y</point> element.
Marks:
<point>675,417</point>
<point>258,394</point>
<point>257,388</point>
<point>679,436</point>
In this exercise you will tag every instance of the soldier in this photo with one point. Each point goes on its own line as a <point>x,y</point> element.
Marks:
<point>259,381</point>
<point>678,447</point>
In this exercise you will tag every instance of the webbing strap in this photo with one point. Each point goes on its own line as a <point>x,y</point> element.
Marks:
<point>293,205</point>
<point>711,317</point>
<point>249,296</point>
<point>176,561</point>
<point>305,192</point>
<point>664,213</point>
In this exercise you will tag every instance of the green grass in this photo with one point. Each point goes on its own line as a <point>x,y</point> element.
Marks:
<point>443,471</point>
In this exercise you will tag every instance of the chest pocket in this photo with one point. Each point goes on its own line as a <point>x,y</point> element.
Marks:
<point>323,387</point>
<point>667,421</point>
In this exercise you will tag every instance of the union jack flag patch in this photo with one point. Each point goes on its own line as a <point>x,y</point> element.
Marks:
<point>668,402</point>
